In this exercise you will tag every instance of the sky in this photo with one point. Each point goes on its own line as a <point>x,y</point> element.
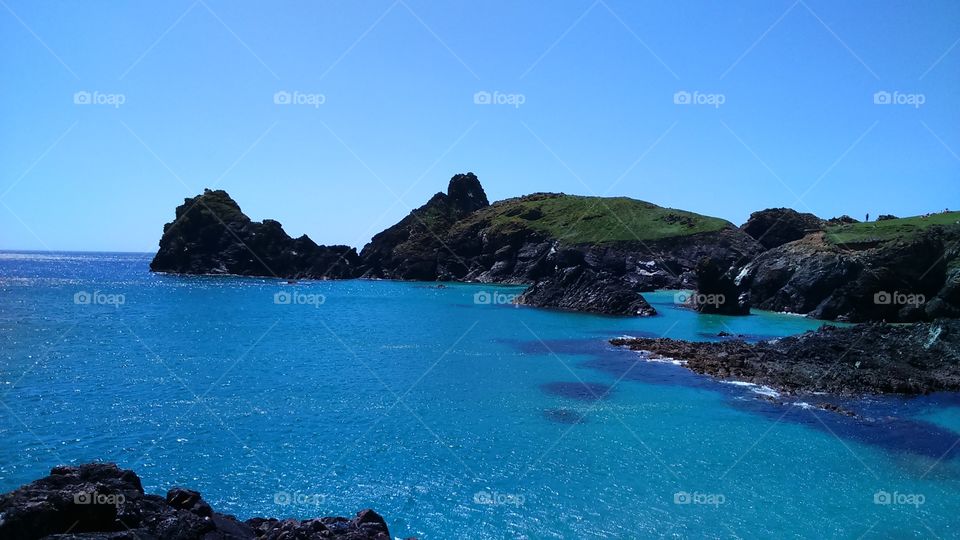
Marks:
<point>338,118</point>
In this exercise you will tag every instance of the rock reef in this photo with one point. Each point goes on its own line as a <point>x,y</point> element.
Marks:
<point>102,501</point>
<point>873,358</point>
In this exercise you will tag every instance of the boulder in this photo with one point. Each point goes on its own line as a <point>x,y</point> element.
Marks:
<point>101,500</point>
<point>776,226</point>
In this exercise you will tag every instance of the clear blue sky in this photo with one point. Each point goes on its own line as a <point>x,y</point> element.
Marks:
<point>798,125</point>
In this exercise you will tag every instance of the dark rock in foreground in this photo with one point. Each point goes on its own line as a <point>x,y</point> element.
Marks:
<point>102,501</point>
<point>871,358</point>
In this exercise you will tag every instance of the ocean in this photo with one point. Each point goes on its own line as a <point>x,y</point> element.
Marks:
<point>450,411</point>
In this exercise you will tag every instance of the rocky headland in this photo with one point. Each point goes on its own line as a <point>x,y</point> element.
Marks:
<point>102,501</point>
<point>597,254</point>
<point>872,358</point>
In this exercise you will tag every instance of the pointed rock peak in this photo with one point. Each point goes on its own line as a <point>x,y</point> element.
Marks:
<point>466,193</point>
<point>217,202</point>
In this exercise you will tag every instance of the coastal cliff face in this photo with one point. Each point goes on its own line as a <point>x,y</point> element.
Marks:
<point>577,253</point>
<point>893,270</point>
<point>597,254</point>
<point>100,500</point>
<point>211,235</point>
<point>415,248</point>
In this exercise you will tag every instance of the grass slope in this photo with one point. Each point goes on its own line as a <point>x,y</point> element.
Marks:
<point>594,220</point>
<point>888,230</point>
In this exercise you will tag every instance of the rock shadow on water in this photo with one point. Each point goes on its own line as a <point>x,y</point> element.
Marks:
<point>580,391</point>
<point>564,416</point>
<point>880,421</point>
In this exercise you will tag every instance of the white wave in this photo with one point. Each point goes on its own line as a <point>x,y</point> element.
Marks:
<point>763,390</point>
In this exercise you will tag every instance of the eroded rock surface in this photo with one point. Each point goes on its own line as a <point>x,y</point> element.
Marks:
<point>102,501</point>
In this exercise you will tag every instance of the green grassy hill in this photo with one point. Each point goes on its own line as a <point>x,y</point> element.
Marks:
<point>592,220</point>
<point>888,230</point>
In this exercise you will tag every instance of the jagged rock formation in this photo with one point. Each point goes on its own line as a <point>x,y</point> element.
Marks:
<point>579,253</point>
<point>909,278</point>
<point>579,288</point>
<point>415,247</point>
<point>597,254</point>
<point>868,358</point>
<point>774,227</point>
<point>211,235</point>
<point>718,291</point>
<point>102,501</point>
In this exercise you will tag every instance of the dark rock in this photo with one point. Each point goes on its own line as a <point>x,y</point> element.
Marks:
<point>872,358</point>
<point>907,280</point>
<point>582,289</point>
<point>836,409</point>
<point>885,217</point>
<point>718,290</point>
<point>842,220</point>
<point>102,501</point>
<point>415,248</point>
<point>776,226</point>
<point>466,194</point>
<point>211,235</point>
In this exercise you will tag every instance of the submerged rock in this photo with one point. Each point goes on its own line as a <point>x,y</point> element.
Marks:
<point>102,501</point>
<point>871,358</point>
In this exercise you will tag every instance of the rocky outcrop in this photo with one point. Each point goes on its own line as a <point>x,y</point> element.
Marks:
<point>870,358</point>
<point>211,235</point>
<point>774,227</point>
<point>509,242</point>
<point>596,254</point>
<point>102,501</point>
<point>718,291</point>
<point>416,248</point>
<point>910,279</point>
<point>579,288</point>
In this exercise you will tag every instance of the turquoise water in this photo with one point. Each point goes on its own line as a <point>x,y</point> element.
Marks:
<point>452,419</point>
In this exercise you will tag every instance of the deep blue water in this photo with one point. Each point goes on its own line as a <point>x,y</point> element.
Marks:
<point>452,419</point>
